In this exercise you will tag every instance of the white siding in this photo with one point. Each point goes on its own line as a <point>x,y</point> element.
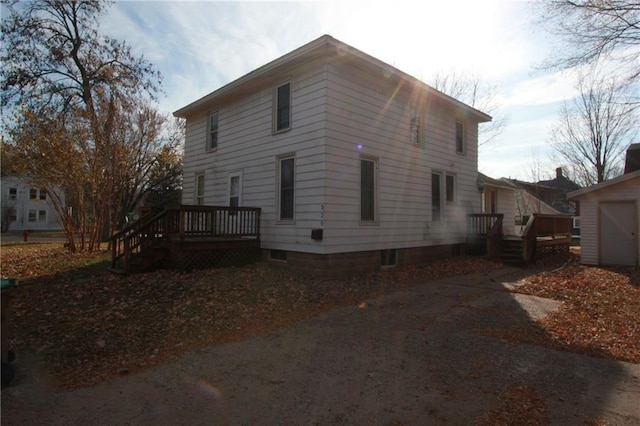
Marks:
<point>589,212</point>
<point>246,144</point>
<point>367,118</point>
<point>335,108</point>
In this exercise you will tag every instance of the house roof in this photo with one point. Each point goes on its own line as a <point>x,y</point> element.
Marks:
<point>324,45</point>
<point>484,180</point>
<point>604,185</point>
<point>552,197</point>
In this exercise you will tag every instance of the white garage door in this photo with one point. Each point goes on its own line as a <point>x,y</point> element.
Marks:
<point>618,233</point>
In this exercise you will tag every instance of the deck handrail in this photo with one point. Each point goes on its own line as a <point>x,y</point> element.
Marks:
<point>539,225</point>
<point>482,223</point>
<point>184,222</point>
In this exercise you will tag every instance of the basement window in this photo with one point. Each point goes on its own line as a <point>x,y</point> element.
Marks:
<point>278,255</point>
<point>388,257</point>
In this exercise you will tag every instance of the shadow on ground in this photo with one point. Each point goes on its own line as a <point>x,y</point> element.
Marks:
<point>420,356</point>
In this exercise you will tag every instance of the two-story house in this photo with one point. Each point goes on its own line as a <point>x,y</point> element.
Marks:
<point>26,207</point>
<point>355,164</point>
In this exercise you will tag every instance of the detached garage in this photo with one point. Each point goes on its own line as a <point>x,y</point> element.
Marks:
<point>610,220</point>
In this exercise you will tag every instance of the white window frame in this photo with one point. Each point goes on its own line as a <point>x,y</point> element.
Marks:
<point>441,197</point>
<point>375,162</point>
<point>198,195</point>
<point>454,187</point>
<point>462,135</point>
<point>277,107</point>
<point>576,222</point>
<point>232,176</point>
<point>42,216</point>
<point>32,216</point>
<point>213,132</point>
<point>279,190</point>
<point>13,194</point>
<point>414,127</point>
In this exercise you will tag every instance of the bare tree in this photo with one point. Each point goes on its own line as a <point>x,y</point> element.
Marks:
<point>472,90</point>
<point>595,128</point>
<point>59,70</point>
<point>593,31</point>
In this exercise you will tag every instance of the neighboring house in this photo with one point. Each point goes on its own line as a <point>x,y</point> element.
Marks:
<point>25,207</point>
<point>354,163</point>
<point>547,197</point>
<point>610,217</point>
<point>499,196</point>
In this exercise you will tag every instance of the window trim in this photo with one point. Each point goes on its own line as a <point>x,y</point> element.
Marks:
<point>375,162</point>
<point>279,189</point>
<point>197,196</point>
<point>461,148</point>
<point>33,193</point>
<point>440,216</point>
<point>13,194</point>
<point>211,132</point>
<point>239,196</point>
<point>415,127</point>
<point>277,108</point>
<point>454,191</point>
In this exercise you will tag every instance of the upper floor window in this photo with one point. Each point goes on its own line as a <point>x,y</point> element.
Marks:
<point>13,193</point>
<point>283,107</point>
<point>414,127</point>
<point>286,175</point>
<point>43,194</point>
<point>200,189</point>
<point>33,194</point>
<point>212,142</point>
<point>367,190</point>
<point>460,138</point>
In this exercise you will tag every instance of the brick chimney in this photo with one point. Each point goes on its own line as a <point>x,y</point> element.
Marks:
<point>558,172</point>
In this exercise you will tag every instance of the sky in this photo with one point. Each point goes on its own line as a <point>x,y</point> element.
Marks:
<point>199,46</point>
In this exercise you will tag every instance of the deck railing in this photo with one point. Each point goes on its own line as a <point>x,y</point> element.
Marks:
<point>184,223</point>
<point>545,230</point>
<point>482,223</point>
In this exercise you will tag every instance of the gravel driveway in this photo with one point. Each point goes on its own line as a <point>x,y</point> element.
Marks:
<point>415,357</point>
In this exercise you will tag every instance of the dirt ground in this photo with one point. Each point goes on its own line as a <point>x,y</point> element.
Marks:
<point>421,356</point>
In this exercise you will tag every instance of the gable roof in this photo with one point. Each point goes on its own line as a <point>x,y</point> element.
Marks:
<point>604,185</point>
<point>324,45</point>
<point>484,180</point>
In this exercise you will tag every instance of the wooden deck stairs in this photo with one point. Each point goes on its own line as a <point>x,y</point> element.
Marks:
<point>542,234</point>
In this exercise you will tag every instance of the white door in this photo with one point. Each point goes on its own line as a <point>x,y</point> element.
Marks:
<point>618,233</point>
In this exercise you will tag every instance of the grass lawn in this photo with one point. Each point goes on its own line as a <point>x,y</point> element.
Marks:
<point>88,325</point>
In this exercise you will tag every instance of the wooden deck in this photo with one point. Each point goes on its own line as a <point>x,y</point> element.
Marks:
<point>187,237</point>
<point>542,233</point>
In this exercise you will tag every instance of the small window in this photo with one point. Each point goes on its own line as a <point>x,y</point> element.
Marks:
<point>576,222</point>
<point>33,194</point>
<point>460,138</point>
<point>450,188</point>
<point>279,255</point>
<point>200,189</point>
<point>414,127</point>
<point>388,257</point>
<point>43,194</point>
<point>367,190</point>
<point>283,107</point>
<point>436,204</point>
<point>13,215</point>
<point>213,132</point>
<point>32,215</point>
<point>42,215</point>
<point>234,190</point>
<point>13,194</point>
<point>286,187</point>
